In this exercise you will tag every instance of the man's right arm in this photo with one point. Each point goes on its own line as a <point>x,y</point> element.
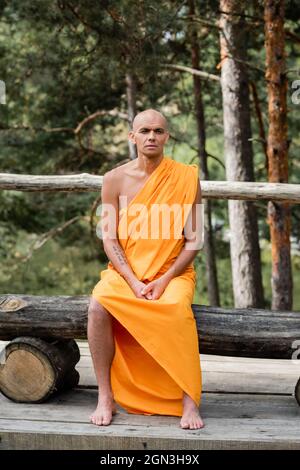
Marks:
<point>110,222</point>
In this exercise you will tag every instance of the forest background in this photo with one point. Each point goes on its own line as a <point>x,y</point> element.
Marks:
<point>75,73</point>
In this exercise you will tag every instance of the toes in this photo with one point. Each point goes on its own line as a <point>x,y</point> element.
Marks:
<point>106,420</point>
<point>192,423</point>
<point>184,425</point>
<point>201,423</point>
<point>98,420</point>
<point>102,417</point>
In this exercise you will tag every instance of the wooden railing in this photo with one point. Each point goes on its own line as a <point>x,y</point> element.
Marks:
<point>84,182</point>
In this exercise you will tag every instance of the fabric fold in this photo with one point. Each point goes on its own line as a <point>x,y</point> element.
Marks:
<point>157,355</point>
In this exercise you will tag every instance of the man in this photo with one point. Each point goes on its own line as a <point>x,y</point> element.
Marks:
<point>141,329</point>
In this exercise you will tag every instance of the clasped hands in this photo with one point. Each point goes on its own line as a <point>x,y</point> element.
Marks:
<point>151,291</point>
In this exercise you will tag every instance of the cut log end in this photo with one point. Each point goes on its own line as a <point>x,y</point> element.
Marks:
<point>32,369</point>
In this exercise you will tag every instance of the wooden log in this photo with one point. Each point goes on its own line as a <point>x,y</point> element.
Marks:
<point>246,332</point>
<point>32,369</point>
<point>84,182</point>
<point>297,392</point>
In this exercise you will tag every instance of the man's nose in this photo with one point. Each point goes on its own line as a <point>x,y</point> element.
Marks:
<point>151,135</point>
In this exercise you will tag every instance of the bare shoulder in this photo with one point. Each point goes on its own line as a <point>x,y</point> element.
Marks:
<point>120,171</point>
<point>113,180</point>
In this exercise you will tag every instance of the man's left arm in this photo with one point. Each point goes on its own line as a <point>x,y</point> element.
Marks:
<point>194,233</point>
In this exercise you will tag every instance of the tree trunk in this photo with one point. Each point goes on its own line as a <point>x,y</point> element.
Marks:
<point>233,332</point>
<point>279,217</point>
<point>244,243</point>
<point>131,108</point>
<point>210,259</point>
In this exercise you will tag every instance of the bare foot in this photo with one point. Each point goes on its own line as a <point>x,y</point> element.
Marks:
<point>191,418</point>
<point>104,412</point>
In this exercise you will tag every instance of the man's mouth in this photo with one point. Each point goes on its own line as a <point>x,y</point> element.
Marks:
<point>152,146</point>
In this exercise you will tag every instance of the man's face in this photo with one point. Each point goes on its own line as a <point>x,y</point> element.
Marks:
<point>150,135</point>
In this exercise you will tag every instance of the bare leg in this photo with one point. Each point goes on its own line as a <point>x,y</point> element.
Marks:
<point>102,347</point>
<point>191,418</point>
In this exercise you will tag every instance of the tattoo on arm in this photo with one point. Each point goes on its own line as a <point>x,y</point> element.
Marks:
<point>120,255</point>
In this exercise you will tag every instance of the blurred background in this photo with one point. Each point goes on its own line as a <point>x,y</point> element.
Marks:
<point>77,72</point>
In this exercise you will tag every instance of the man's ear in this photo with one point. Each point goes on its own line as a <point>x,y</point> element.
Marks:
<point>131,136</point>
<point>167,137</point>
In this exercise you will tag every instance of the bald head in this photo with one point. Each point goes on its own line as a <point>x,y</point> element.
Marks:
<point>149,133</point>
<point>149,117</point>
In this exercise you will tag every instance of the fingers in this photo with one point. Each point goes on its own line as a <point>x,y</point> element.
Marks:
<point>150,291</point>
<point>146,292</point>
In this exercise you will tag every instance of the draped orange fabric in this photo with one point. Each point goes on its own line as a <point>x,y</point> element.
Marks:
<point>156,356</point>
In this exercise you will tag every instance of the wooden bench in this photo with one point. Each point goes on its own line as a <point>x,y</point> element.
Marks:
<point>42,329</point>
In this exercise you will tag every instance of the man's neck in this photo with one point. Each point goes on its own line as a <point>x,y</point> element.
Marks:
<point>148,164</point>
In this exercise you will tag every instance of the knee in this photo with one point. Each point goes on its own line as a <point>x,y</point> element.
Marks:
<point>96,311</point>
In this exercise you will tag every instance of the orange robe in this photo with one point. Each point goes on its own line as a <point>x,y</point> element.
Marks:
<point>156,356</point>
